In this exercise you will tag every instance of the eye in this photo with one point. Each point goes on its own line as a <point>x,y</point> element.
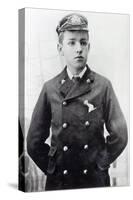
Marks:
<point>83,43</point>
<point>71,43</point>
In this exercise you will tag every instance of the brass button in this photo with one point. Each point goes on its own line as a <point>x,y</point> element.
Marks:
<point>86,146</point>
<point>65,148</point>
<point>87,123</point>
<point>62,81</point>
<point>85,171</point>
<point>65,172</point>
<point>88,80</point>
<point>64,103</point>
<point>64,125</point>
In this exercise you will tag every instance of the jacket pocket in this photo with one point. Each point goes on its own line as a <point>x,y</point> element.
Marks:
<point>52,161</point>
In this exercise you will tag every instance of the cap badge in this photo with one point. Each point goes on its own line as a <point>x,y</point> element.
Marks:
<point>75,20</point>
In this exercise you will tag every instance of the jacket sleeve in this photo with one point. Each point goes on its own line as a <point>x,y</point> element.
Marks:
<point>39,131</point>
<point>116,126</point>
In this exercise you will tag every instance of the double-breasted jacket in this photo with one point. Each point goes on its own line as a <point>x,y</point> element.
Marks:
<point>76,112</point>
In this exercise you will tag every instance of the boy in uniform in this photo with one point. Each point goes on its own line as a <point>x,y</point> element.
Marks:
<point>75,105</point>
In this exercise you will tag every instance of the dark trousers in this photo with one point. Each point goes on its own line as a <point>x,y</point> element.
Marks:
<point>95,178</point>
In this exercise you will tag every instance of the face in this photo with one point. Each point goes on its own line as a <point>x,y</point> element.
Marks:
<point>74,48</point>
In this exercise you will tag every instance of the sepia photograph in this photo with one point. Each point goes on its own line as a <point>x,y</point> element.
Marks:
<point>73,99</point>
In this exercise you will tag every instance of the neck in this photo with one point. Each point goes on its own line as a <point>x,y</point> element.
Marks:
<point>75,71</point>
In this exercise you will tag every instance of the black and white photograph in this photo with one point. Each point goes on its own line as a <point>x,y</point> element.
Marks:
<point>73,99</point>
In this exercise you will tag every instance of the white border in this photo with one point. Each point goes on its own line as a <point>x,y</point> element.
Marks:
<point>9,92</point>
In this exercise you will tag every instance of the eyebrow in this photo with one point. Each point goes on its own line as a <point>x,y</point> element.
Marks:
<point>75,39</point>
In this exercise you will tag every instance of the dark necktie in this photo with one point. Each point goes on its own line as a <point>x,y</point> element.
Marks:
<point>75,79</point>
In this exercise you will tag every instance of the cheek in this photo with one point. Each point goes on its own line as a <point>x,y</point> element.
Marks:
<point>68,52</point>
<point>86,51</point>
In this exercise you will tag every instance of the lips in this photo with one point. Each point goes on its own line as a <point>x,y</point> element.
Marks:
<point>79,57</point>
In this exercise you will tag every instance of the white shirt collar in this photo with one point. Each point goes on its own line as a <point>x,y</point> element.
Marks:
<point>79,75</point>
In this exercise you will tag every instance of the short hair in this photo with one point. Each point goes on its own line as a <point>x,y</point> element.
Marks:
<point>61,36</point>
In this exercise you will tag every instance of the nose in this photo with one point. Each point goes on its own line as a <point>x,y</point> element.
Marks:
<point>78,48</point>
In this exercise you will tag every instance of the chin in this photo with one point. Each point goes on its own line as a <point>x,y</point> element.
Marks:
<point>80,67</point>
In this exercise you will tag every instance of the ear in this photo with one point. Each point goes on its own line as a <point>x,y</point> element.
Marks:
<point>88,47</point>
<point>60,49</point>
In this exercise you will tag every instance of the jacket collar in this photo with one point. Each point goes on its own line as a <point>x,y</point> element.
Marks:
<point>70,90</point>
<point>81,74</point>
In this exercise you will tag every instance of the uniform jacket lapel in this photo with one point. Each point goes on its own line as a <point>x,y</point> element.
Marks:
<point>65,84</point>
<point>70,90</point>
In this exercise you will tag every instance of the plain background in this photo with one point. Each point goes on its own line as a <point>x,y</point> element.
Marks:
<point>9,100</point>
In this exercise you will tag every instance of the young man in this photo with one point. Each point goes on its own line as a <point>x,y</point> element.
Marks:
<point>75,105</point>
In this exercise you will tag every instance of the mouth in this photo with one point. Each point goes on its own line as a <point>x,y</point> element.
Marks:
<point>79,57</point>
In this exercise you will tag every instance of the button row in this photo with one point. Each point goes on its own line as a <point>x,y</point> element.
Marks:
<point>89,80</point>
<point>65,125</point>
<point>65,148</point>
<point>85,171</point>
